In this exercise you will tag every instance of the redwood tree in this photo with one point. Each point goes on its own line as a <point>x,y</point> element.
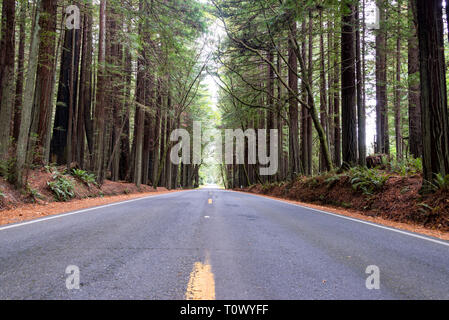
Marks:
<point>348,101</point>
<point>435,132</point>
<point>7,49</point>
<point>382,143</point>
<point>414,103</point>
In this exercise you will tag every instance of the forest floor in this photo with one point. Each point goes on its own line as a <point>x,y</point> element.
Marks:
<point>39,201</point>
<point>397,204</point>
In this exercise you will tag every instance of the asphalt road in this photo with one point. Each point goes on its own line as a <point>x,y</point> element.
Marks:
<point>257,248</point>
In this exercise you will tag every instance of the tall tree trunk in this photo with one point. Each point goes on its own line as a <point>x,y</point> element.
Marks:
<point>25,122</point>
<point>434,118</point>
<point>85,124</point>
<point>414,93</point>
<point>20,71</point>
<point>125,138</point>
<point>304,112</point>
<point>330,84</point>
<point>337,125</point>
<point>348,112</point>
<point>293,106</point>
<point>397,91</point>
<point>323,93</point>
<point>61,143</point>
<point>270,104</point>
<point>309,125</point>
<point>139,123</point>
<point>361,128</point>
<point>156,133</point>
<point>45,71</point>
<point>99,128</point>
<point>382,135</point>
<point>7,50</point>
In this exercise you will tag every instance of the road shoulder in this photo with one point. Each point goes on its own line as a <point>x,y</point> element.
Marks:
<point>358,215</point>
<point>33,211</point>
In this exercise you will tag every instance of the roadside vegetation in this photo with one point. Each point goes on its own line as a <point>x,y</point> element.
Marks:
<point>390,191</point>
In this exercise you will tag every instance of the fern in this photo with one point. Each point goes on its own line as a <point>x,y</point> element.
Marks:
<point>33,193</point>
<point>84,176</point>
<point>440,182</point>
<point>332,180</point>
<point>410,166</point>
<point>61,187</point>
<point>369,181</point>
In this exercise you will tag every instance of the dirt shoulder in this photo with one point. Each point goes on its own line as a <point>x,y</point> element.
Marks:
<point>398,204</point>
<point>39,201</point>
<point>38,210</point>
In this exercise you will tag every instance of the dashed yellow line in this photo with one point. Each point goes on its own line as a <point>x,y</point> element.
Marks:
<point>201,284</point>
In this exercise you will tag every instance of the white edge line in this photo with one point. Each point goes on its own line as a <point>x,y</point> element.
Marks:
<point>352,219</point>
<point>57,216</point>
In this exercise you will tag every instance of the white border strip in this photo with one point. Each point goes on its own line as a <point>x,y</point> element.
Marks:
<point>415,235</point>
<point>57,216</point>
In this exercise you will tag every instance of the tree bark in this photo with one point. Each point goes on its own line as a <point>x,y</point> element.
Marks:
<point>361,128</point>
<point>414,91</point>
<point>397,91</point>
<point>45,71</point>
<point>20,71</point>
<point>382,136</point>
<point>293,106</point>
<point>61,143</point>
<point>99,127</point>
<point>25,122</point>
<point>323,93</point>
<point>7,50</point>
<point>434,117</point>
<point>349,133</point>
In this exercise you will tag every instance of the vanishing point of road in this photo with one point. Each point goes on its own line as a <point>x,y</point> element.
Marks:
<point>216,244</point>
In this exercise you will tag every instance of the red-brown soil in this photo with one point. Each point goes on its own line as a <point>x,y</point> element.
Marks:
<point>16,206</point>
<point>398,201</point>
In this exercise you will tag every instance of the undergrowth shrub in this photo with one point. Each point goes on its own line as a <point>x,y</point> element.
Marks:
<point>84,176</point>
<point>7,169</point>
<point>33,193</point>
<point>62,187</point>
<point>406,167</point>
<point>332,180</point>
<point>369,181</point>
<point>440,182</point>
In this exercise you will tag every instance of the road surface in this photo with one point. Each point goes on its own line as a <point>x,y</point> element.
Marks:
<point>216,244</point>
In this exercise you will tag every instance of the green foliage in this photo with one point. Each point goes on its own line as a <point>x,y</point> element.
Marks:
<point>33,193</point>
<point>440,182</point>
<point>7,169</point>
<point>346,205</point>
<point>3,168</point>
<point>49,168</point>
<point>407,167</point>
<point>312,182</point>
<point>332,180</point>
<point>369,181</point>
<point>62,187</point>
<point>84,176</point>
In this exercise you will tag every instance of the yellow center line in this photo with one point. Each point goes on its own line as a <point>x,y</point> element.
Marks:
<point>201,284</point>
